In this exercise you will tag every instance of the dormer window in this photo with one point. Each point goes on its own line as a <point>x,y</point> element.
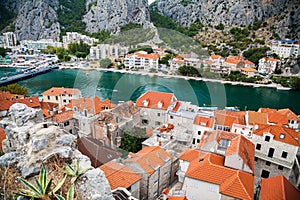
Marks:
<point>159,104</point>
<point>145,103</point>
<point>281,136</point>
<point>224,143</point>
<point>267,138</point>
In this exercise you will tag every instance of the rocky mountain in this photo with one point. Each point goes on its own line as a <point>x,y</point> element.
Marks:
<point>37,19</point>
<point>283,14</point>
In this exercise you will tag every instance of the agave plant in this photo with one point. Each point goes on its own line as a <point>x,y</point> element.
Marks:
<point>70,195</point>
<point>75,172</point>
<point>42,190</point>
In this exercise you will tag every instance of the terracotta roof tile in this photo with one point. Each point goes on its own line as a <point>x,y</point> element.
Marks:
<point>32,102</point>
<point>227,118</point>
<point>192,154</point>
<point>290,135</point>
<point>177,198</point>
<point>290,114</point>
<point>232,61</point>
<point>2,137</point>
<point>149,158</point>
<point>278,187</point>
<point>5,104</point>
<point>267,110</point>
<point>215,56</point>
<point>238,145</point>
<point>152,56</point>
<point>270,59</point>
<point>119,175</point>
<point>248,62</point>
<point>232,182</point>
<point>63,117</point>
<point>257,117</point>
<point>152,99</point>
<point>176,107</point>
<point>248,69</point>
<point>46,107</point>
<point>277,118</point>
<point>59,91</point>
<point>92,105</point>
<point>9,96</point>
<point>204,121</point>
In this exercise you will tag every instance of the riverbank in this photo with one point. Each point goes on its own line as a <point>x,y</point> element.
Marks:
<point>146,73</point>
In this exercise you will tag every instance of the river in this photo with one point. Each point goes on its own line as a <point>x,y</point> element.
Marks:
<point>123,87</point>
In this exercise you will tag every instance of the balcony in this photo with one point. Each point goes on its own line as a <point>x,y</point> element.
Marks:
<point>274,160</point>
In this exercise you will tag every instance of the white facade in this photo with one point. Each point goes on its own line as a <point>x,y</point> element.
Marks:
<point>268,65</point>
<point>9,39</point>
<point>39,44</point>
<point>141,60</point>
<point>286,48</point>
<point>77,37</point>
<point>107,51</point>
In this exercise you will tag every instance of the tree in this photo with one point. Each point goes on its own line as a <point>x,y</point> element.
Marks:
<point>105,63</point>
<point>188,71</point>
<point>15,89</point>
<point>132,139</point>
<point>3,51</point>
<point>295,83</point>
<point>254,54</point>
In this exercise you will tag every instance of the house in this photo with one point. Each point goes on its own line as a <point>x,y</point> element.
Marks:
<point>141,60</point>
<point>234,62</point>
<point>95,150</point>
<point>276,148</point>
<point>77,37</point>
<point>8,96</point>
<point>175,63</point>
<point>121,176</point>
<point>248,71</point>
<point>268,65</point>
<point>153,164</point>
<point>62,96</point>
<point>278,187</point>
<point>49,109</point>
<point>154,106</point>
<point>249,64</point>
<point>209,179</point>
<point>286,48</point>
<point>169,195</point>
<point>224,120</point>
<point>66,121</point>
<point>200,125</point>
<point>86,111</point>
<point>238,150</point>
<point>108,51</point>
<point>217,59</point>
<point>293,119</point>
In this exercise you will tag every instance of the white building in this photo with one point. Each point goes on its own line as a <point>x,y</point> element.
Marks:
<point>108,51</point>
<point>77,37</point>
<point>268,65</point>
<point>9,39</point>
<point>61,96</point>
<point>286,48</point>
<point>142,60</point>
<point>39,44</point>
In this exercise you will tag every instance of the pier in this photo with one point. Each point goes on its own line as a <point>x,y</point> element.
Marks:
<point>26,74</point>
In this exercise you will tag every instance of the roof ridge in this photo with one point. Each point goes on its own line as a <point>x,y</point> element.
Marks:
<point>283,187</point>
<point>242,183</point>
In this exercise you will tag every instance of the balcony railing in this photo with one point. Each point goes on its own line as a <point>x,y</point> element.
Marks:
<point>274,160</point>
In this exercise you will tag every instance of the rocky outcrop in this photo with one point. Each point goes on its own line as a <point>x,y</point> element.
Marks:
<point>231,13</point>
<point>112,14</point>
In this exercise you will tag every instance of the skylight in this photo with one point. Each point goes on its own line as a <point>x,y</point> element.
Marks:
<point>281,136</point>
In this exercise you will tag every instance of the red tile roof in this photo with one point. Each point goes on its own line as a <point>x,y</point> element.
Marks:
<point>46,107</point>
<point>232,182</point>
<point>279,116</point>
<point>227,118</point>
<point>63,117</point>
<point>176,107</point>
<point>215,56</point>
<point>119,175</point>
<point>239,145</point>
<point>177,198</point>
<point>257,118</point>
<point>149,158</point>
<point>204,121</point>
<point>192,154</point>
<point>248,62</point>
<point>290,114</point>
<point>270,59</point>
<point>154,98</point>
<point>278,187</point>
<point>5,104</point>
<point>92,105</point>
<point>59,91</point>
<point>232,61</point>
<point>248,69</point>
<point>2,137</point>
<point>152,56</point>
<point>290,135</point>
<point>32,102</point>
<point>9,96</point>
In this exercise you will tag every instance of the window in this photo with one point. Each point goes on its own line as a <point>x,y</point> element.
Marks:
<point>194,140</point>
<point>265,174</point>
<point>280,167</point>
<point>255,159</point>
<point>198,140</point>
<point>158,114</point>
<point>225,143</point>
<point>129,188</point>
<point>67,123</point>
<point>267,138</point>
<point>284,154</point>
<point>281,136</point>
<point>56,97</point>
<point>70,95</point>
<point>271,153</point>
<point>171,117</point>
<point>258,146</point>
<point>199,132</point>
<point>155,182</point>
<point>157,123</point>
<point>145,121</point>
<point>268,163</point>
<point>48,97</point>
<point>65,101</point>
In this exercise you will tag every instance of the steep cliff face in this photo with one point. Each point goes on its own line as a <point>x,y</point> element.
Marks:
<point>232,12</point>
<point>113,14</point>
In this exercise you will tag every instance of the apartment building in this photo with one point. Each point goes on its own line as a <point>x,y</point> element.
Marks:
<point>9,39</point>
<point>268,65</point>
<point>141,60</point>
<point>286,48</point>
<point>61,96</point>
<point>108,51</point>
